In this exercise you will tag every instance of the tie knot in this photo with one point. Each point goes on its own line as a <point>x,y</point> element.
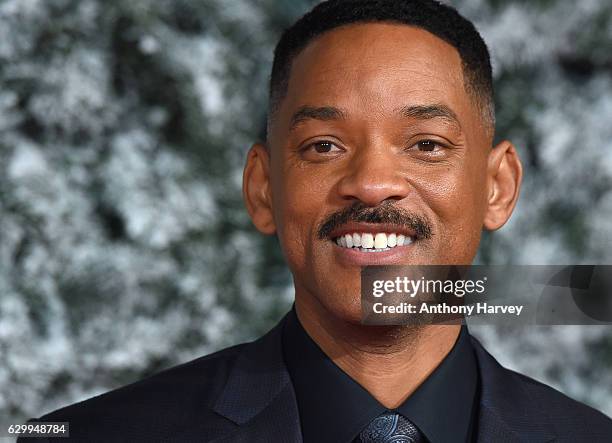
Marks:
<point>390,427</point>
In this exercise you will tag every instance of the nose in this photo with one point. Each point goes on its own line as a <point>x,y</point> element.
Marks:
<point>373,177</point>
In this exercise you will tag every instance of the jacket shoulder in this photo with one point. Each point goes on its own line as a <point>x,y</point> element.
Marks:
<point>568,414</point>
<point>160,405</point>
<point>525,406</point>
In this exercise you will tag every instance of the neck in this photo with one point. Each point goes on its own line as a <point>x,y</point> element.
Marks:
<point>390,362</point>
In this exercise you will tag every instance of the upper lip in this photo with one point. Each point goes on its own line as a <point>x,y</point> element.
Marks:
<point>372,228</point>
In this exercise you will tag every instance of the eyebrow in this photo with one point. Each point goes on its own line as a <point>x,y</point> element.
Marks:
<point>323,113</point>
<point>428,112</point>
<point>418,112</point>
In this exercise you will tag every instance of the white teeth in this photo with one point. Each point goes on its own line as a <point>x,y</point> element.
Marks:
<point>402,240</point>
<point>348,238</point>
<point>367,240</point>
<point>380,241</point>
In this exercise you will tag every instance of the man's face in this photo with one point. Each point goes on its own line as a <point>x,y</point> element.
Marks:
<point>376,135</point>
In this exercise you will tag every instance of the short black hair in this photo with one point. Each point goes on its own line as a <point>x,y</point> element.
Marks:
<point>441,20</point>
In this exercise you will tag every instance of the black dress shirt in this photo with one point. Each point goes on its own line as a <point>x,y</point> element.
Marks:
<point>335,408</point>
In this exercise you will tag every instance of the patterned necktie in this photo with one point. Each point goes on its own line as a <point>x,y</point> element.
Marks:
<point>390,427</point>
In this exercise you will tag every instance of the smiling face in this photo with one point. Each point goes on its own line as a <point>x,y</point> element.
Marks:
<point>376,155</point>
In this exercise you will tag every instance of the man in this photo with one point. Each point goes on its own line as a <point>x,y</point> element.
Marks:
<point>378,151</point>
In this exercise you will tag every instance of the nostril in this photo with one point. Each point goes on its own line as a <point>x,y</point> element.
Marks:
<point>374,193</point>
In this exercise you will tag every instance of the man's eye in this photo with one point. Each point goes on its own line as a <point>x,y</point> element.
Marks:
<point>324,147</point>
<point>428,146</point>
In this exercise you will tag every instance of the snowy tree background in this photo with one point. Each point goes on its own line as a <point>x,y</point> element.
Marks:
<point>124,245</point>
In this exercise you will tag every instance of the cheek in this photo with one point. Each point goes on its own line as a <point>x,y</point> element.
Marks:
<point>297,200</point>
<point>454,195</point>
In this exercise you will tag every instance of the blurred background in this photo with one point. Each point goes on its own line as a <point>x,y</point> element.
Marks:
<point>124,245</point>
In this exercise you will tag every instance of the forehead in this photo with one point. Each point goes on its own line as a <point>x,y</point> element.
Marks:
<point>376,68</point>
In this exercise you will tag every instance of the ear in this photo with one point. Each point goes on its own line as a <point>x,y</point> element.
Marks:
<point>256,189</point>
<point>504,176</point>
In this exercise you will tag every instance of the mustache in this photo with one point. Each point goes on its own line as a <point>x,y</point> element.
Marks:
<point>387,212</point>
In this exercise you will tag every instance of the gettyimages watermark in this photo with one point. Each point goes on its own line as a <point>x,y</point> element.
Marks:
<point>479,294</point>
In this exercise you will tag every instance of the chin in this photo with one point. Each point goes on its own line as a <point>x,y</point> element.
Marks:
<point>342,305</point>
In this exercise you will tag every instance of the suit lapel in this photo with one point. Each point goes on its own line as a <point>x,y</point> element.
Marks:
<point>508,412</point>
<point>259,396</point>
<point>279,421</point>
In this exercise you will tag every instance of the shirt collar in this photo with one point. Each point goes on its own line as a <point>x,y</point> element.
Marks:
<point>443,406</point>
<point>335,408</point>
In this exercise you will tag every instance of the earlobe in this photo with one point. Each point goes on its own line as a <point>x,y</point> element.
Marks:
<point>256,189</point>
<point>504,176</point>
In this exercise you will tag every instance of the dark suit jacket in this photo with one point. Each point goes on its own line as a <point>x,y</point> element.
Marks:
<point>244,394</point>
